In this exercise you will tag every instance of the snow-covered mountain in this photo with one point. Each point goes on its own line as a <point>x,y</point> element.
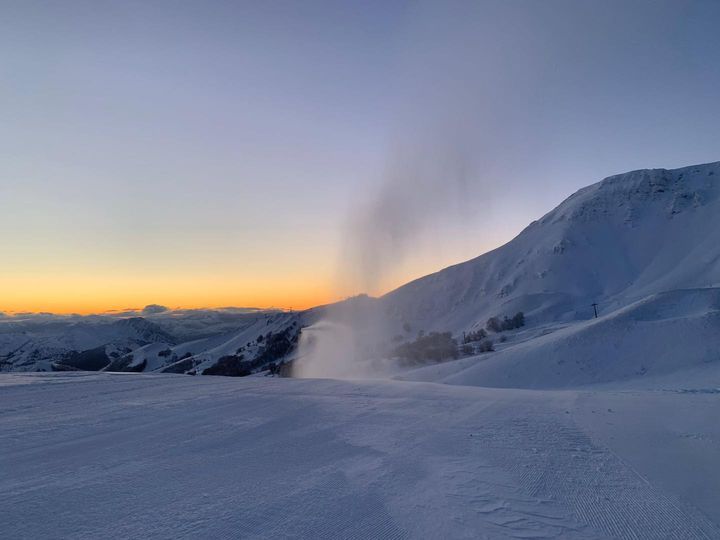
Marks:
<point>612,243</point>
<point>253,343</point>
<point>177,342</point>
<point>40,343</point>
<point>644,246</point>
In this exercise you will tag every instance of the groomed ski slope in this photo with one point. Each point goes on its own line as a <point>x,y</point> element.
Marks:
<point>102,455</point>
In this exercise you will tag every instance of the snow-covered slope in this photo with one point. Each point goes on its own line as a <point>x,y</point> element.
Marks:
<point>248,343</point>
<point>661,334</point>
<point>614,242</point>
<point>138,456</point>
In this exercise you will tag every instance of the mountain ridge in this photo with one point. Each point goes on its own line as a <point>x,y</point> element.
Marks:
<point>592,217</point>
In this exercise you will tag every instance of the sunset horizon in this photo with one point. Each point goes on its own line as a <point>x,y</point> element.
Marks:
<point>278,161</point>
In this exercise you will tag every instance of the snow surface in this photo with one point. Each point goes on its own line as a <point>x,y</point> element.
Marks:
<point>103,455</point>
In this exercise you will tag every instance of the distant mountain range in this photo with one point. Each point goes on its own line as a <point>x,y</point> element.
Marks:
<point>188,341</point>
<point>642,247</point>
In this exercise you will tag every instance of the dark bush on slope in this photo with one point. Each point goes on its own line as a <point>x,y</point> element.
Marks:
<point>486,346</point>
<point>184,364</point>
<point>494,324</point>
<point>89,360</point>
<point>229,366</point>
<point>433,347</point>
<point>478,335</point>
<point>277,346</point>
<point>517,321</point>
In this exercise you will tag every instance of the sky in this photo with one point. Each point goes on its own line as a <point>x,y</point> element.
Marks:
<point>217,153</point>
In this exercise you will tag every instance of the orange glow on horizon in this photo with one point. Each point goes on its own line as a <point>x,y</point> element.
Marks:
<point>87,295</point>
<point>102,308</point>
<point>94,295</point>
<point>103,286</point>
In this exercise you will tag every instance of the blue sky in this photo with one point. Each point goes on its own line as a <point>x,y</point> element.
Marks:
<point>212,153</point>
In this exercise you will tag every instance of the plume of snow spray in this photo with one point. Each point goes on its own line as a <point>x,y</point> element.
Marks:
<point>353,338</point>
<point>425,184</point>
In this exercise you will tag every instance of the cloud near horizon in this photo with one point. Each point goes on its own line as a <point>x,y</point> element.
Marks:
<point>154,309</point>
